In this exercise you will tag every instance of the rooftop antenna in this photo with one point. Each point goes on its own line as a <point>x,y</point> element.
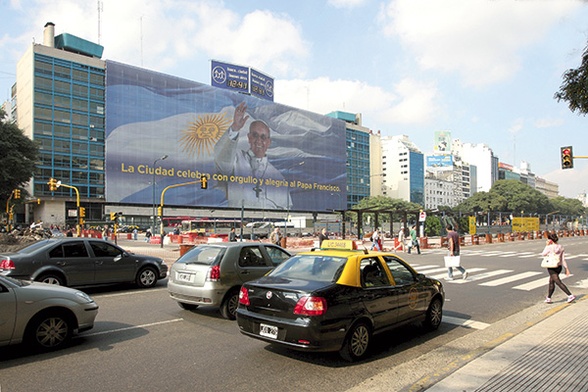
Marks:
<point>100,9</point>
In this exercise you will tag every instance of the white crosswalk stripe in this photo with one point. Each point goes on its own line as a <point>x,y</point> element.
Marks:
<point>543,282</point>
<point>509,279</point>
<point>485,275</point>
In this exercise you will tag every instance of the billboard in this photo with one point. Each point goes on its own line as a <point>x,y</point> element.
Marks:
<point>442,161</point>
<point>242,79</point>
<point>442,142</point>
<point>256,154</point>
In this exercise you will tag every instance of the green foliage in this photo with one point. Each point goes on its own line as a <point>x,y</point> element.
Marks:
<point>522,197</point>
<point>566,206</point>
<point>484,202</point>
<point>18,166</point>
<point>432,226</point>
<point>383,203</point>
<point>574,88</point>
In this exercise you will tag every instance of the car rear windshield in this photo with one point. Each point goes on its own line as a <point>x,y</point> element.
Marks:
<point>203,254</point>
<point>311,267</point>
<point>33,247</point>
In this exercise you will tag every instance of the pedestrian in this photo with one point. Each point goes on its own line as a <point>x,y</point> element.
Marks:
<point>148,235</point>
<point>135,233</point>
<point>552,246</point>
<point>414,241</point>
<point>232,235</point>
<point>322,236</point>
<point>105,233</point>
<point>401,238</point>
<point>453,245</point>
<point>376,240</point>
<point>276,237</point>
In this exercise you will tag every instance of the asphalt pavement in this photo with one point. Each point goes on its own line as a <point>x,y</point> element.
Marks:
<point>540,349</point>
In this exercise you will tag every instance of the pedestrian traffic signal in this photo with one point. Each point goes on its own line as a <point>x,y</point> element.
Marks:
<point>82,212</point>
<point>567,158</point>
<point>113,216</point>
<point>204,182</point>
<point>17,193</point>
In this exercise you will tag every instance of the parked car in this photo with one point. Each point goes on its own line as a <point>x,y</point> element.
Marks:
<point>42,315</point>
<point>81,261</point>
<point>335,299</point>
<point>212,274</point>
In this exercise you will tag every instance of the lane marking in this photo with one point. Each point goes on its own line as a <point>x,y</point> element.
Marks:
<point>133,327</point>
<point>510,279</point>
<point>465,322</point>
<point>143,291</point>
<point>537,283</point>
<point>481,276</point>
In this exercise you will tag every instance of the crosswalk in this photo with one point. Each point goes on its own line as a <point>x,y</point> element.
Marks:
<point>504,254</point>
<point>490,278</point>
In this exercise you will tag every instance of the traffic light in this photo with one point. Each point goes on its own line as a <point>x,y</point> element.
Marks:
<point>567,158</point>
<point>160,211</point>
<point>17,193</point>
<point>203,182</point>
<point>53,184</point>
<point>82,212</point>
<point>113,216</point>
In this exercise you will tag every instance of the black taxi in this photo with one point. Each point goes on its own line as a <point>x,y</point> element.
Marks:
<point>336,298</point>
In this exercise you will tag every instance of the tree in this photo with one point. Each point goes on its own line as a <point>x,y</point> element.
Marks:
<point>574,88</point>
<point>567,206</point>
<point>521,197</point>
<point>18,166</point>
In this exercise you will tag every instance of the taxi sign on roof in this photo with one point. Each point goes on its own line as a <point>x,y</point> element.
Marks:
<point>339,244</point>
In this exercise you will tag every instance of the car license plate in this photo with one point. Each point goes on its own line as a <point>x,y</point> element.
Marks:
<point>185,277</point>
<point>268,331</point>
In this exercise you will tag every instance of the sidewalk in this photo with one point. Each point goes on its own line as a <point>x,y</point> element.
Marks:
<point>549,356</point>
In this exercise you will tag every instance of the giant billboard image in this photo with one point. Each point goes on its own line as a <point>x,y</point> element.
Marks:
<point>163,134</point>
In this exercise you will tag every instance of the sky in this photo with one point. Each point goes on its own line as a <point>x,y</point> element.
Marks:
<point>484,70</point>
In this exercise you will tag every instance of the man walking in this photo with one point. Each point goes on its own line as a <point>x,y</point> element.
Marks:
<point>453,245</point>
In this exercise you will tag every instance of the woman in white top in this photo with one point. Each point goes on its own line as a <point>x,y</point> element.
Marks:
<point>553,247</point>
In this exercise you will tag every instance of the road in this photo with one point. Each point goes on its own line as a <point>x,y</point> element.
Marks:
<point>142,340</point>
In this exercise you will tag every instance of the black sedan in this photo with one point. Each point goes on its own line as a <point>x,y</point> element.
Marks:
<point>335,300</point>
<point>81,261</point>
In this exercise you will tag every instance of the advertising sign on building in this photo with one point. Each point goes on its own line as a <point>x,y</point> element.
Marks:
<point>442,141</point>
<point>443,161</point>
<point>242,79</point>
<point>164,131</point>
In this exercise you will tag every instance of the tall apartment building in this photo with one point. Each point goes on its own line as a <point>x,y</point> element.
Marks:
<point>362,150</point>
<point>404,169</point>
<point>59,102</point>
<point>481,156</point>
<point>448,181</point>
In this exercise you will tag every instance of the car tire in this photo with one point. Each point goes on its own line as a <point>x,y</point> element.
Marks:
<point>186,306</point>
<point>434,315</point>
<point>229,305</point>
<point>147,277</point>
<point>50,278</point>
<point>356,342</point>
<point>49,330</point>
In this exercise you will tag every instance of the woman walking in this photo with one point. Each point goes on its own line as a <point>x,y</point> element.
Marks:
<point>553,247</point>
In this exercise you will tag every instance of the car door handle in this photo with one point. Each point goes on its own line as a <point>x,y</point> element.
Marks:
<point>60,263</point>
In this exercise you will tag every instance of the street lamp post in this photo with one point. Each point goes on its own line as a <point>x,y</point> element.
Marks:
<point>154,200</point>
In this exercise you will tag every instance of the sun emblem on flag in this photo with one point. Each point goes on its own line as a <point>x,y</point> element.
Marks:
<point>203,133</point>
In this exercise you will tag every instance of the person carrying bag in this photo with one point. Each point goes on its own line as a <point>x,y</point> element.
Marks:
<point>553,253</point>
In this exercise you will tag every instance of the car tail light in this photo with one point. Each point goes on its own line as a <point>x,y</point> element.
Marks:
<point>6,264</point>
<point>244,297</point>
<point>311,306</point>
<point>214,274</point>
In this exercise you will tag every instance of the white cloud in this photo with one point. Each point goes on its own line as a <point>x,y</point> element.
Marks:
<point>479,39</point>
<point>411,102</point>
<point>347,3</point>
<point>548,122</point>
<point>161,34</point>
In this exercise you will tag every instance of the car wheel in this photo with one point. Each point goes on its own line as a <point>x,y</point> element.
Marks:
<point>356,343</point>
<point>50,279</point>
<point>147,277</point>
<point>49,331</point>
<point>186,306</point>
<point>229,306</point>
<point>434,315</point>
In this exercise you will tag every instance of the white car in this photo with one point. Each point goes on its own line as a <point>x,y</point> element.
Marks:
<point>42,315</point>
